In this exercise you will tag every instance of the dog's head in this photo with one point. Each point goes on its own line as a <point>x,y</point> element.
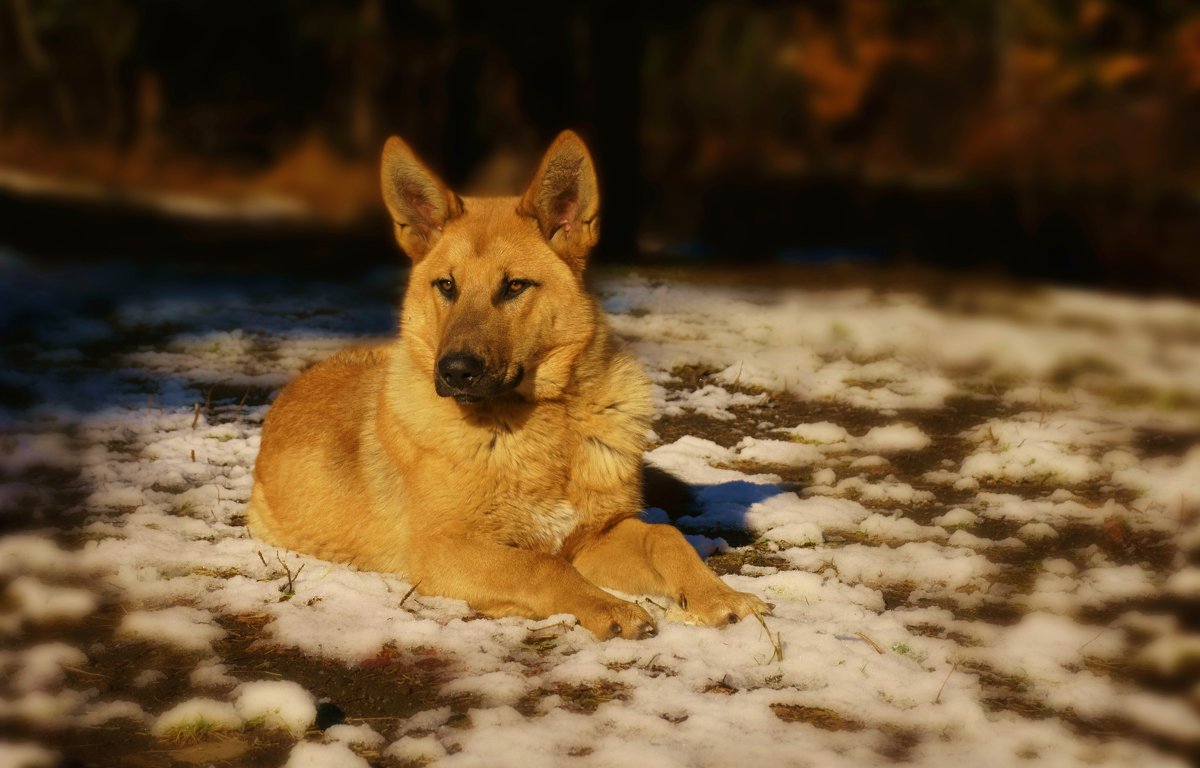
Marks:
<point>495,301</point>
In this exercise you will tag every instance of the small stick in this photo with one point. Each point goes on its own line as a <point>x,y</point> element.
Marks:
<point>408,594</point>
<point>289,588</point>
<point>871,642</point>
<point>196,415</point>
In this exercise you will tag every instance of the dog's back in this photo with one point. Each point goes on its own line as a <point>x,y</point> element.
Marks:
<point>314,449</point>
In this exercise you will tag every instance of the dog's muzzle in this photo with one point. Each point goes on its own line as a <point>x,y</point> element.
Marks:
<point>465,377</point>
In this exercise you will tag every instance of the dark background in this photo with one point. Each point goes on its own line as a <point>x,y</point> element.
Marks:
<point>1052,139</point>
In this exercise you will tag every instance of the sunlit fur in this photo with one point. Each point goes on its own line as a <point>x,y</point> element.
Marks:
<point>523,504</point>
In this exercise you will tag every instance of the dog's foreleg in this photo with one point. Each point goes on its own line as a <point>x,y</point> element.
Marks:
<point>640,558</point>
<point>506,581</point>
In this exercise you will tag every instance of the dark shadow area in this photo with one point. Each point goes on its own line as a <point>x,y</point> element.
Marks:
<point>723,505</point>
<point>1052,141</point>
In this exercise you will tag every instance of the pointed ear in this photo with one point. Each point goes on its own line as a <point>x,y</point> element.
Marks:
<point>565,199</point>
<point>419,202</point>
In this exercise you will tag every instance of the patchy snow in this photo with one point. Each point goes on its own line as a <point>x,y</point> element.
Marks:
<point>41,666</point>
<point>197,716</point>
<point>276,704</point>
<point>41,603</point>
<point>188,628</point>
<point>931,584</point>
<point>893,438</point>
<point>26,755</point>
<point>356,735</point>
<point>335,755</point>
<point>417,749</point>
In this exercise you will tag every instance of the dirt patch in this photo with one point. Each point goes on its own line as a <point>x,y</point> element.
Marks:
<point>820,717</point>
<point>380,692</point>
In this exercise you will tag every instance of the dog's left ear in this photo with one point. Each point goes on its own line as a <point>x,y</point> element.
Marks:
<point>564,198</point>
<point>420,204</point>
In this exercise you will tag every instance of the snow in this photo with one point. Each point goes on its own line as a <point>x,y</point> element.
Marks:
<point>107,711</point>
<point>416,749</point>
<point>40,666</point>
<point>335,755</point>
<point>356,735</point>
<point>957,517</point>
<point>188,628</point>
<point>26,755</point>
<point>197,715</point>
<point>894,438</point>
<point>276,704</point>
<point>41,603</point>
<point>911,567</point>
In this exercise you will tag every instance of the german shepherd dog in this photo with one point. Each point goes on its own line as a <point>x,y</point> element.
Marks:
<point>493,451</point>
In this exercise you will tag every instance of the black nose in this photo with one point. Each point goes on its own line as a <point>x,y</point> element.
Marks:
<point>460,371</point>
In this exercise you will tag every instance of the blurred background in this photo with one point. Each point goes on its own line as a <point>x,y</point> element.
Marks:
<point>1051,139</point>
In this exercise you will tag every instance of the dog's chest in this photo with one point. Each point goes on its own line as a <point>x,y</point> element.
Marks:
<point>529,492</point>
<point>550,526</point>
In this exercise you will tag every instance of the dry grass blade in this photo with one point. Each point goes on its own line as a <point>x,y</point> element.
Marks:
<point>942,687</point>
<point>870,642</point>
<point>547,627</point>
<point>776,640</point>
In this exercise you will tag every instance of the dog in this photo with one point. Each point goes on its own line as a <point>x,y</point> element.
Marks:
<point>493,451</point>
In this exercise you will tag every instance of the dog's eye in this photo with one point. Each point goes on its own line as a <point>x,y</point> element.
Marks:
<point>515,287</point>
<point>446,286</point>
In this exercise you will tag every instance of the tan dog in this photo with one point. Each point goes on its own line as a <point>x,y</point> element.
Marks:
<point>493,453</point>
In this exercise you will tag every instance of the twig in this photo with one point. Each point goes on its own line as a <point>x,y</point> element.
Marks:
<point>942,687</point>
<point>289,589</point>
<point>264,560</point>
<point>870,642</point>
<point>408,594</point>
<point>196,415</point>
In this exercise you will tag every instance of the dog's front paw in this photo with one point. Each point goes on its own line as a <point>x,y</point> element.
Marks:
<point>617,618</point>
<point>720,607</point>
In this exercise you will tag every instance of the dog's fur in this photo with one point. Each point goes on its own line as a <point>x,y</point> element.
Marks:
<point>493,452</point>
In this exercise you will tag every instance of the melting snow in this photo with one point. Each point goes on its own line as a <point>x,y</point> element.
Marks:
<point>903,597</point>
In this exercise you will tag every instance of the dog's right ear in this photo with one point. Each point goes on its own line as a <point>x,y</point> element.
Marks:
<point>420,204</point>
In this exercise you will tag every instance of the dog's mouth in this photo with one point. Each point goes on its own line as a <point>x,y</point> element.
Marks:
<point>473,388</point>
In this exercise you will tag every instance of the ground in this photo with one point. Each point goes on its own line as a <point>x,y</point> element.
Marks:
<point>974,510</point>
